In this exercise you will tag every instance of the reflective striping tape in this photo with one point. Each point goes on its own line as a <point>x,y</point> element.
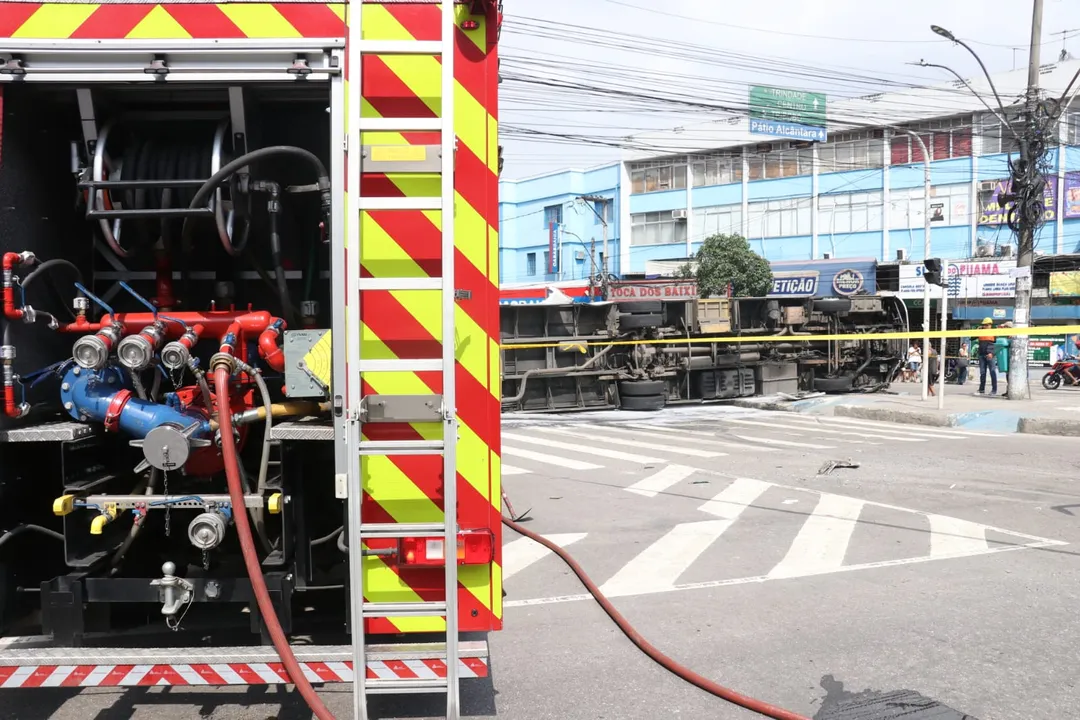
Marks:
<point>173,675</point>
<point>729,339</point>
<point>319,360</point>
<point>170,21</point>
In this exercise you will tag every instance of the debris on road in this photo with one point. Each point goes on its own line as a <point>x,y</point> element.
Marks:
<point>834,464</point>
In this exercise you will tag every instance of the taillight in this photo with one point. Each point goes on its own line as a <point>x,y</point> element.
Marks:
<point>474,547</point>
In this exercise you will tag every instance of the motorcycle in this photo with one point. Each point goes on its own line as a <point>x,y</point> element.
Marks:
<point>1053,379</point>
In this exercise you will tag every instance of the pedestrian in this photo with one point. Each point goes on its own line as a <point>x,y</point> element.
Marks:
<point>931,369</point>
<point>987,359</point>
<point>914,358</point>
<point>962,364</point>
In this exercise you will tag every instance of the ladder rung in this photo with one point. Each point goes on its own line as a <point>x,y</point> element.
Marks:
<point>400,203</point>
<point>401,124</point>
<point>401,47</point>
<point>401,447</point>
<point>405,609</point>
<point>377,686</point>
<point>402,365</point>
<point>402,530</point>
<point>400,283</point>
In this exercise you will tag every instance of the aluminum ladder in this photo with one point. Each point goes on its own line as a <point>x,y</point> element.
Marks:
<point>409,408</point>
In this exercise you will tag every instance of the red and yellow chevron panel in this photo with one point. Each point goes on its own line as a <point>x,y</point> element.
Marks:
<point>408,324</point>
<point>169,21</point>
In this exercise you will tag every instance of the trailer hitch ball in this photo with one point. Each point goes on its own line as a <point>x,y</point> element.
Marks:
<point>174,592</point>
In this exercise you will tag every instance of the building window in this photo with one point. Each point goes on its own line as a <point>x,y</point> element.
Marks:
<point>603,209</point>
<point>995,137</point>
<point>656,228</point>
<point>530,264</point>
<point>718,219</point>
<point>658,175</point>
<point>949,205</point>
<point>780,162</point>
<point>1072,128</point>
<point>850,213</point>
<point>721,169</point>
<point>944,139</point>
<point>552,215</point>
<point>547,261</point>
<point>851,151</point>
<point>780,218</point>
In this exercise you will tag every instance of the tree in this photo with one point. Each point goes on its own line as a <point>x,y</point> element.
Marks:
<point>727,259</point>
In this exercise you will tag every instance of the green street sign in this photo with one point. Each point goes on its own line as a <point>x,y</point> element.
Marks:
<point>782,105</point>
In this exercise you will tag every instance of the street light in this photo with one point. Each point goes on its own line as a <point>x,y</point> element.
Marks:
<point>949,36</point>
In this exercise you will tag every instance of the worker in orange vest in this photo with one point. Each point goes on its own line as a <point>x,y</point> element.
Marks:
<point>987,358</point>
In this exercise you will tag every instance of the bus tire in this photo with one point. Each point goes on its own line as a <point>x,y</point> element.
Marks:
<point>642,403</point>
<point>642,388</point>
<point>840,384</point>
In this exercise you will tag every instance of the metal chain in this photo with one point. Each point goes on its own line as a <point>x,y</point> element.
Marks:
<point>206,559</point>
<point>168,507</point>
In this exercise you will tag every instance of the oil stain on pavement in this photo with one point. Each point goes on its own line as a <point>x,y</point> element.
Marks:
<point>839,704</point>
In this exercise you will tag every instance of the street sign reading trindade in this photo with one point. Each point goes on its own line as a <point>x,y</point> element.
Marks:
<point>793,114</point>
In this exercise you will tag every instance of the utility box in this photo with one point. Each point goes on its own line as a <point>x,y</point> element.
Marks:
<point>778,378</point>
<point>714,315</point>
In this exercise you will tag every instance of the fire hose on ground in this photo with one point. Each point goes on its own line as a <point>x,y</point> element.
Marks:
<point>680,671</point>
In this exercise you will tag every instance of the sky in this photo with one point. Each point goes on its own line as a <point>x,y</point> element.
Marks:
<point>581,76</point>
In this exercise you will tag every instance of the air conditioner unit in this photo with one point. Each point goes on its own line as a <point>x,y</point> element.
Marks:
<point>1005,251</point>
<point>826,256</point>
<point>901,254</point>
<point>679,214</point>
<point>987,186</point>
<point>984,251</point>
<point>579,255</point>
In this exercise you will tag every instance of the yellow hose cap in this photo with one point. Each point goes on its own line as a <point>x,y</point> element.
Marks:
<point>63,505</point>
<point>273,504</point>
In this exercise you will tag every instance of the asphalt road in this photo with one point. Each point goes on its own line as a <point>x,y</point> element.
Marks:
<point>938,578</point>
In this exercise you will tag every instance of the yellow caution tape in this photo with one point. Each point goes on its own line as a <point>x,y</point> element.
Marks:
<point>728,339</point>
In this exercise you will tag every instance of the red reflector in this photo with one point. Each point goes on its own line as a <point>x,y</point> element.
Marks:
<point>469,25</point>
<point>474,547</point>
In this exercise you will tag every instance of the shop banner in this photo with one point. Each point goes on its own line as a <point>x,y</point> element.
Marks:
<point>679,290</point>
<point>795,283</point>
<point>991,211</point>
<point>967,280</point>
<point>1072,195</point>
<point>1065,284</point>
<point>1045,350</point>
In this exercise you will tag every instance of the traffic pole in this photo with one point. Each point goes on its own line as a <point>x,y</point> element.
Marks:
<point>944,321</point>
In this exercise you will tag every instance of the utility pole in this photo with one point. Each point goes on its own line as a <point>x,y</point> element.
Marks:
<point>602,214</point>
<point>1018,347</point>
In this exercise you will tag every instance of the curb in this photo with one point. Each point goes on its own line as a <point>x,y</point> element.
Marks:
<point>907,417</point>
<point>1049,426</point>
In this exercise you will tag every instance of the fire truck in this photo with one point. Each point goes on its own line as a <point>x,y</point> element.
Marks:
<point>250,358</point>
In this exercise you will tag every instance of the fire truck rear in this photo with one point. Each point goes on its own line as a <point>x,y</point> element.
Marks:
<point>250,351</point>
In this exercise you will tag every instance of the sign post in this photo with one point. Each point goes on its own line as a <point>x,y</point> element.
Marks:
<point>786,113</point>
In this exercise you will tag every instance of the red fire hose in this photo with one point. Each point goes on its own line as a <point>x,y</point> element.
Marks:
<point>681,671</point>
<point>251,558</point>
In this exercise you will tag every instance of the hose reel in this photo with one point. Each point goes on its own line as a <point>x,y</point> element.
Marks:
<point>150,170</point>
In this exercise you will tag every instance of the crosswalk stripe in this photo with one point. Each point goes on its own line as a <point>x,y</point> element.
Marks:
<point>670,429</point>
<point>645,431</point>
<point>660,481</point>
<point>674,449</point>
<point>815,424</point>
<point>511,470</point>
<point>567,463</point>
<point>659,566</point>
<point>585,449</point>
<point>953,536</point>
<point>853,433</point>
<point>785,443</point>
<point>848,442</point>
<point>950,432</point>
<point>822,541</point>
<point>730,502</point>
<point>523,552</point>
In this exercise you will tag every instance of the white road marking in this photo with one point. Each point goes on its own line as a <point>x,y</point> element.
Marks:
<point>585,449</point>
<point>523,552</point>
<point>846,442</point>
<point>730,502</point>
<point>549,459</point>
<point>659,566</point>
<point>511,470</point>
<point>949,536</point>
<point>823,539</point>
<point>674,449</point>
<point>811,423</point>
<point>670,429</point>
<point>850,433</point>
<point>662,480</point>
<point>785,443</point>
<point>640,431</point>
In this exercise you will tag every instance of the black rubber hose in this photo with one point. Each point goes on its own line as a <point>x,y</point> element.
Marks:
<point>681,671</point>
<point>48,265</point>
<point>261,154</point>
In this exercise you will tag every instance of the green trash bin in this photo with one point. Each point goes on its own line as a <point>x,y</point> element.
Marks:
<point>1001,352</point>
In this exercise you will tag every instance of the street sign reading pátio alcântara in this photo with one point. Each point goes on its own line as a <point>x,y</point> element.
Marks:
<point>782,112</point>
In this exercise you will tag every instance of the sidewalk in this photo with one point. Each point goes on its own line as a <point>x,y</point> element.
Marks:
<point>1048,412</point>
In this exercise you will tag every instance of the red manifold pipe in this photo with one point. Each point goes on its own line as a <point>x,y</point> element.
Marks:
<point>269,349</point>
<point>11,260</point>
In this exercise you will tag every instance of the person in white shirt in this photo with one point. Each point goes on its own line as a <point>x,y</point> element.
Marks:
<point>914,359</point>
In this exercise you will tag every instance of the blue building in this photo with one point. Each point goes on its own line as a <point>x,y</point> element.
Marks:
<point>857,195</point>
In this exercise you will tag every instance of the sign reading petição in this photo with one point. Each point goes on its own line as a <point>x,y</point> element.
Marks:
<point>794,284</point>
